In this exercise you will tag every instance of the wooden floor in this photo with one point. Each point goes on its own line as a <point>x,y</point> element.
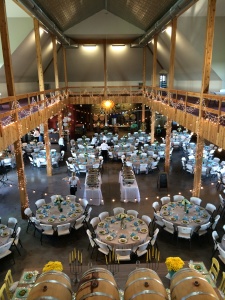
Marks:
<point>33,255</point>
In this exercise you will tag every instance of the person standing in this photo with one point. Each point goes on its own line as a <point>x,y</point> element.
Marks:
<point>61,144</point>
<point>74,181</point>
<point>36,134</point>
<point>104,150</point>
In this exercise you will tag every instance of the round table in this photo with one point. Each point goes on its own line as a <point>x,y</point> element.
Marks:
<point>5,234</point>
<point>50,214</point>
<point>110,232</point>
<point>174,212</point>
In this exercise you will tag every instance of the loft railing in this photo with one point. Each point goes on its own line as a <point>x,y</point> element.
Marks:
<point>181,106</point>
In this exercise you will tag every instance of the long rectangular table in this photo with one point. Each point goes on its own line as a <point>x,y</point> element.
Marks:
<point>129,192</point>
<point>93,194</point>
<point>121,274</point>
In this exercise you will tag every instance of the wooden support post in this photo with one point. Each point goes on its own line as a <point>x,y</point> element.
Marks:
<point>143,125</point>
<point>172,53</point>
<point>41,88</point>
<point>65,66</point>
<point>198,167</point>
<point>171,81</point>
<point>55,62</point>
<point>167,151</point>
<point>11,92</point>
<point>204,89</point>
<point>154,71</point>
<point>154,83</point>
<point>48,151</point>
<point>153,127</point>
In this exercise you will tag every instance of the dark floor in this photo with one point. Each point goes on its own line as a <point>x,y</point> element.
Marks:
<point>33,255</point>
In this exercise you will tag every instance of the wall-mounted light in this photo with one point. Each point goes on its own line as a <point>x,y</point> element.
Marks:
<point>118,45</point>
<point>89,45</point>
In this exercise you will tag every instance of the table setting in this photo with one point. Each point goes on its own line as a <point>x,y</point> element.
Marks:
<point>5,234</point>
<point>184,214</point>
<point>122,231</point>
<point>200,267</point>
<point>59,212</point>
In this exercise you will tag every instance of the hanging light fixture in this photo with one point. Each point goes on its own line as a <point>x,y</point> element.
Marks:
<point>107,104</point>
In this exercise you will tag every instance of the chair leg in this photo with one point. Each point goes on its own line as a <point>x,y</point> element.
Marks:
<point>17,249</point>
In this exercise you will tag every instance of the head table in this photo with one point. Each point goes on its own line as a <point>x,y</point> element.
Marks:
<point>193,217</point>
<point>50,214</point>
<point>110,232</point>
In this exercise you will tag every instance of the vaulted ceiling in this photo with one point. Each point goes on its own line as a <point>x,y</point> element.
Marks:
<point>62,15</point>
<point>142,13</point>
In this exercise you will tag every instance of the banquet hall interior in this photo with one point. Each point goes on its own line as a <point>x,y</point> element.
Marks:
<point>40,186</point>
<point>136,118</point>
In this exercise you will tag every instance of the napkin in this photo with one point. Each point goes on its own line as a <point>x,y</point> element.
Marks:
<point>122,236</point>
<point>133,234</point>
<point>106,225</point>
<point>72,205</point>
<point>185,218</point>
<point>62,216</point>
<point>138,229</point>
<point>194,218</point>
<point>64,203</point>
<point>135,223</point>
<point>53,217</point>
<point>113,221</point>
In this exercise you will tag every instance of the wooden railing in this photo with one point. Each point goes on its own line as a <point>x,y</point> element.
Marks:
<point>183,107</point>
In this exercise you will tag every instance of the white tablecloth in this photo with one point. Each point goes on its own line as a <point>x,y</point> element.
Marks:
<point>93,194</point>
<point>129,192</point>
<point>50,214</point>
<point>112,227</point>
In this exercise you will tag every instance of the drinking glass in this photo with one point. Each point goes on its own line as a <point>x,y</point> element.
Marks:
<point>138,264</point>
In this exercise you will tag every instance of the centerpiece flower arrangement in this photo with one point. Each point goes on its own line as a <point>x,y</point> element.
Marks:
<point>122,217</point>
<point>174,264</point>
<point>185,202</point>
<point>58,201</point>
<point>53,265</point>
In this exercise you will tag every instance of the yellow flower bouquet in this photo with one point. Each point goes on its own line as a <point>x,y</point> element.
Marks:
<point>174,263</point>
<point>53,265</point>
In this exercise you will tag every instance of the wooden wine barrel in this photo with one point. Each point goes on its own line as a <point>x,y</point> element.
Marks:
<point>132,116</point>
<point>190,284</point>
<point>144,284</point>
<point>95,118</point>
<point>51,285</point>
<point>97,284</point>
<point>126,117</point>
<point>102,117</point>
